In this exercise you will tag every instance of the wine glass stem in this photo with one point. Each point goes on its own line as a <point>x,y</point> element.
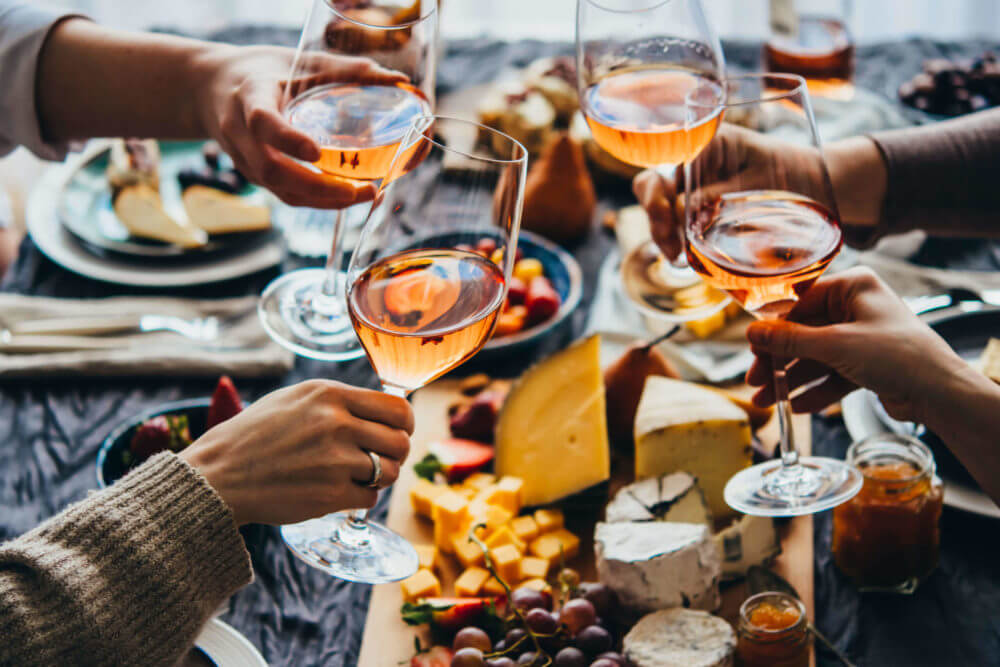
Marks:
<point>357,519</point>
<point>332,292</point>
<point>789,455</point>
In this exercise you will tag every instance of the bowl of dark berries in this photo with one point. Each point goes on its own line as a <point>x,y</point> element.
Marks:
<point>948,88</point>
<point>167,427</point>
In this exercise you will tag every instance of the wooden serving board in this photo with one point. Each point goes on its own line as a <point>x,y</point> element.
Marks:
<point>387,641</point>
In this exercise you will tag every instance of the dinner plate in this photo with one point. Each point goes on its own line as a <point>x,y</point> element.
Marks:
<point>967,330</point>
<point>63,248</point>
<point>85,206</point>
<point>223,646</point>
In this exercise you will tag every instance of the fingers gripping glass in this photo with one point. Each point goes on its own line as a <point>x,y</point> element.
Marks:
<point>636,61</point>
<point>762,224</point>
<point>358,123</point>
<point>421,300</point>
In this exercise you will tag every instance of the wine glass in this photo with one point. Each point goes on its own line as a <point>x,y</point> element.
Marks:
<point>358,128</point>
<point>421,299</point>
<point>762,224</point>
<point>636,61</point>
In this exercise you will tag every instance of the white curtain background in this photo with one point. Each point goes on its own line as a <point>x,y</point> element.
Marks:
<point>872,20</point>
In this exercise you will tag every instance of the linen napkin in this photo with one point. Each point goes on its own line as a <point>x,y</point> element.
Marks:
<point>241,348</point>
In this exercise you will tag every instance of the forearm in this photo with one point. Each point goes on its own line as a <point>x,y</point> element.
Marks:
<point>963,412</point>
<point>859,178</point>
<point>94,81</point>
<point>126,577</point>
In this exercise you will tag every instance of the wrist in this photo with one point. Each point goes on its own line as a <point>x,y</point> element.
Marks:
<point>946,407</point>
<point>206,456</point>
<point>859,178</point>
<point>202,69</point>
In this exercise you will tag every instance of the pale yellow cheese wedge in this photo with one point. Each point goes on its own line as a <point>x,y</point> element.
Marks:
<point>219,212</point>
<point>140,209</point>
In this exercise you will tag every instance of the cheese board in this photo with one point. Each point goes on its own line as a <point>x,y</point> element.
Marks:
<point>388,640</point>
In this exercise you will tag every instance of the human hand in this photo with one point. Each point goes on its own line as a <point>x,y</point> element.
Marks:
<point>850,330</point>
<point>300,452</point>
<point>238,101</point>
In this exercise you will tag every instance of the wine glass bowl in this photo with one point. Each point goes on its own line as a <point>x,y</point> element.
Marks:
<point>762,224</point>
<point>358,124</point>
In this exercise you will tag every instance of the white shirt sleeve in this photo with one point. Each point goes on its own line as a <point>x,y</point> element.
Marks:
<point>23,30</point>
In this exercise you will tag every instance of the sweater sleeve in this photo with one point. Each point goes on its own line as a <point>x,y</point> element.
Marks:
<point>943,178</point>
<point>127,576</point>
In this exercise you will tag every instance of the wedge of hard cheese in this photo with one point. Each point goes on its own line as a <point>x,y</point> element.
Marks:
<point>657,565</point>
<point>680,638</point>
<point>680,426</point>
<point>751,540</point>
<point>551,431</point>
<point>140,209</point>
<point>219,212</point>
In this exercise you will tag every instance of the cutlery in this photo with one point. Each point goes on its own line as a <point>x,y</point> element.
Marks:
<point>201,329</point>
<point>955,296</point>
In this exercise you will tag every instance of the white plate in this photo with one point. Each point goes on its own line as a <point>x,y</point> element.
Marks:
<point>61,247</point>
<point>228,648</point>
<point>862,421</point>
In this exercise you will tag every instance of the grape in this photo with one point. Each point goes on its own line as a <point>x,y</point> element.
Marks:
<point>468,657</point>
<point>500,646</point>
<point>541,622</point>
<point>514,636</point>
<point>527,599</point>
<point>604,662</point>
<point>569,577</point>
<point>615,657</point>
<point>502,661</point>
<point>528,658</point>
<point>599,595</point>
<point>570,657</point>
<point>577,614</point>
<point>593,640</point>
<point>472,638</point>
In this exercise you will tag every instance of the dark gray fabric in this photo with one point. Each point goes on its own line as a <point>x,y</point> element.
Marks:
<point>50,433</point>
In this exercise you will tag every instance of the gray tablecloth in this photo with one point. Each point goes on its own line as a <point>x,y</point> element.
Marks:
<point>50,433</point>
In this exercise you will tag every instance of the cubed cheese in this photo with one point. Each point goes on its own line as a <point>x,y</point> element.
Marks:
<point>555,547</point>
<point>466,551</point>
<point>507,561</point>
<point>533,567</point>
<point>423,584</point>
<point>422,495</point>
<point>480,480</point>
<point>570,542</point>
<point>470,582</point>
<point>525,528</point>
<point>552,431</point>
<point>465,491</point>
<point>427,556</point>
<point>683,427</point>
<point>503,535</point>
<point>492,587</point>
<point>549,520</point>
<point>505,493</point>
<point>450,513</point>
<point>539,585</point>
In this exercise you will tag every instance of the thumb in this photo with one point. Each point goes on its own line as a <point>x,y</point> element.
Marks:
<point>789,340</point>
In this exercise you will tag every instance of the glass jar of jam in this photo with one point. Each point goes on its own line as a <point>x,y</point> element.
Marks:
<point>886,538</point>
<point>773,632</point>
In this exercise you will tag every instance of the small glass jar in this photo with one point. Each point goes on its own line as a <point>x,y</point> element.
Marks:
<point>886,538</point>
<point>773,631</point>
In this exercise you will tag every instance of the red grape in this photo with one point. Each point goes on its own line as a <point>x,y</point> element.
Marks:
<point>614,657</point>
<point>527,599</point>
<point>486,246</point>
<point>515,635</point>
<point>541,622</point>
<point>570,657</point>
<point>529,658</point>
<point>472,637</point>
<point>569,577</point>
<point>604,662</point>
<point>502,661</point>
<point>593,640</point>
<point>599,595</point>
<point>468,657</point>
<point>577,614</point>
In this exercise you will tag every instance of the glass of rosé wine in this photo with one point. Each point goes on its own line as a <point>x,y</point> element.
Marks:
<point>358,127</point>
<point>762,224</point>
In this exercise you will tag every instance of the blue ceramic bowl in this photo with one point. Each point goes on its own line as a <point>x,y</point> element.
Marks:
<point>110,466</point>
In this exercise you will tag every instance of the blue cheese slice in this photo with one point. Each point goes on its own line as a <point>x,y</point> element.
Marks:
<point>674,497</point>
<point>680,638</point>
<point>752,540</point>
<point>656,565</point>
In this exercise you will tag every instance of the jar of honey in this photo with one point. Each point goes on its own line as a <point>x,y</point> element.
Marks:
<point>886,538</point>
<point>773,632</point>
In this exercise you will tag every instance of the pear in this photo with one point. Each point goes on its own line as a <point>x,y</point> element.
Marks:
<point>623,384</point>
<point>559,197</point>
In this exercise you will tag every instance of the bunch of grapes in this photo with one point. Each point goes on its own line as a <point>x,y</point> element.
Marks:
<point>574,635</point>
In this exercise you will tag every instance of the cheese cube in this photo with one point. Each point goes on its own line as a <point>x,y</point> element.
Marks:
<point>502,536</point>
<point>422,496</point>
<point>525,528</point>
<point>467,552</point>
<point>539,585</point>
<point>552,431</point>
<point>549,519</point>
<point>423,584</point>
<point>555,547</point>
<point>492,587</point>
<point>712,324</point>
<point>427,556</point>
<point>534,568</point>
<point>493,516</point>
<point>450,513</point>
<point>570,542</point>
<point>465,491</point>
<point>470,582</point>
<point>683,427</point>
<point>507,562</point>
<point>506,493</point>
<point>480,480</point>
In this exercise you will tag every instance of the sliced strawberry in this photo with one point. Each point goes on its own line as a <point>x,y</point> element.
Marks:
<point>542,300</point>
<point>457,613</point>
<point>459,458</point>
<point>225,403</point>
<point>435,656</point>
<point>160,434</point>
<point>477,420</point>
<point>517,290</point>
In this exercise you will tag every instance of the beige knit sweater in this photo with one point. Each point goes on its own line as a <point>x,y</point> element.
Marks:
<point>126,577</point>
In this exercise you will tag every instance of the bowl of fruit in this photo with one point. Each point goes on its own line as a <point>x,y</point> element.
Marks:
<point>171,426</point>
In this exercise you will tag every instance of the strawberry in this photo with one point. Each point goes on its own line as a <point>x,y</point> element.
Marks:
<point>476,420</point>
<point>435,656</point>
<point>225,403</point>
<point>542,300</point>
<point>160,434</point>
<point>453,614</point>
<point>511,321</point>
<point>517,291</point>
<point>455,458</point>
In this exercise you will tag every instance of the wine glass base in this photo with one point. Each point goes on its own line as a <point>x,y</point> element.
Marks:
<point>367,553</point>
<point>298,316</point>
<point>666,292</point>
<point>815,485</point>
